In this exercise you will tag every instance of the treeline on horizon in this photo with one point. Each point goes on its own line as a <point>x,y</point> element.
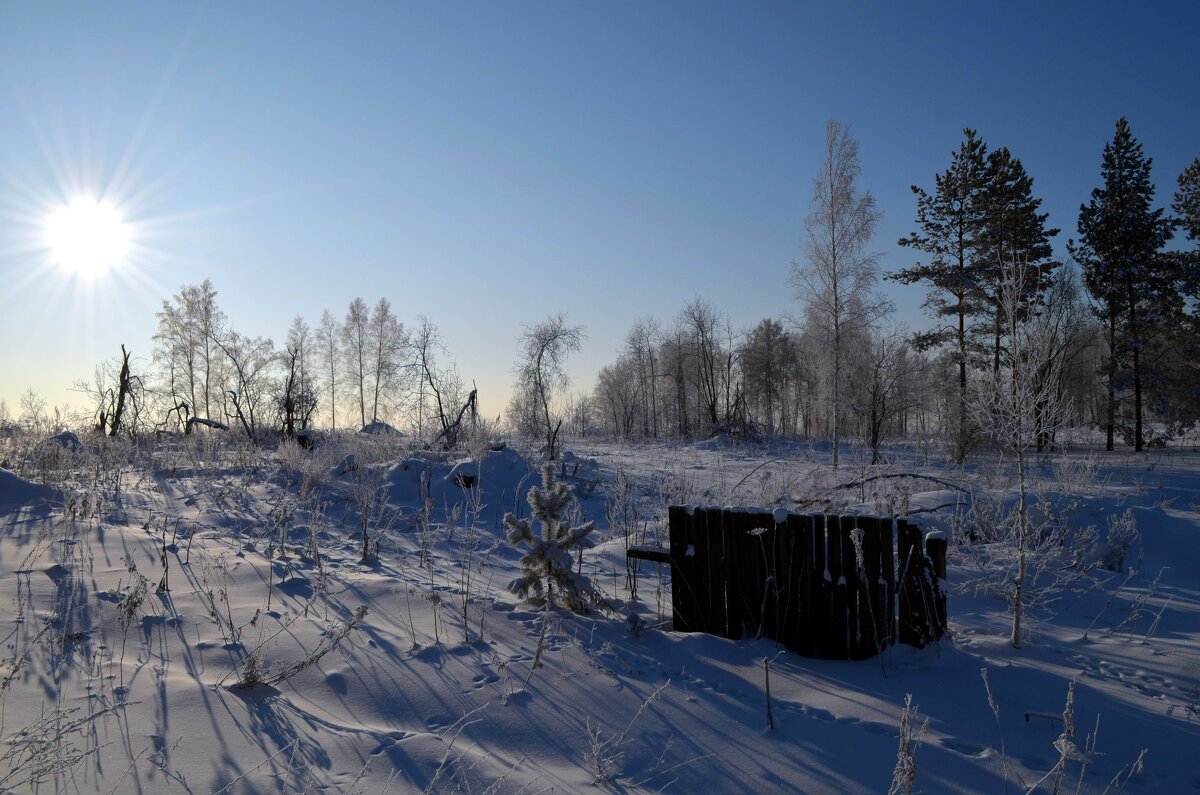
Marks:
<point>1118,334</point>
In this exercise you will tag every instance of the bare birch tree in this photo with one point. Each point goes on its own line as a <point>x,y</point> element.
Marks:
<point>298,394</point>
<point>251,362</point>
<point>439,388</point>
<point>187,330</point>
<point>387,342</point>
<point>1020,403</point>
<point>700,322</point>
<point>840,272</point>
<point>543,349</point>
<point>327,341</point>
<point>356,354</point>
<point>640,345</point>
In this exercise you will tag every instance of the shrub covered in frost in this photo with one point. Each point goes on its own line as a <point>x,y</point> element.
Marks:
<point>1122,540</point>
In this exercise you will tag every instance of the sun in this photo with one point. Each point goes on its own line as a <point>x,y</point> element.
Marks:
<point>87,237</point>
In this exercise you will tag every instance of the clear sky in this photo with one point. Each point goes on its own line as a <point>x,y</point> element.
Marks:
<point>489,163</point>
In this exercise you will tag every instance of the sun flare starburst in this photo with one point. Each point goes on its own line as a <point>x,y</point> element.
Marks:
<point>87,237</point>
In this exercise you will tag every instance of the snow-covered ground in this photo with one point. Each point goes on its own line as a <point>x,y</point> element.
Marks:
<point>112,685</point>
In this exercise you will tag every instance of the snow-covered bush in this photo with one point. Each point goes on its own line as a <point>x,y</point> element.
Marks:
<point>1122,537</point>
<point>547,567</point>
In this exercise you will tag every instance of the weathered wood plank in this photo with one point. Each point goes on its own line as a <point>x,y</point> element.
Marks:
<point>833,587</point>
<point>687,579</point>
<point>837,627</point>
<point>649,552</point>
<point>716,567</point>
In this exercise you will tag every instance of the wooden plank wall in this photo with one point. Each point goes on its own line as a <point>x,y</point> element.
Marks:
<point>831,587</point>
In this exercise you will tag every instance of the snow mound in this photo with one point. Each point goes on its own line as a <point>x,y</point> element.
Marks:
<point>449,482</point>
<point>380,428</point>
<point>16,490</point>
<point>67,441</point>
<point>505,472</point>
<point>722,441</point>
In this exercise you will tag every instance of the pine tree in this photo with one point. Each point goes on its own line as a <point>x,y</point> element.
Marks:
<point>951,230</point>
<point>547,567</point>
<point>1187,274</point>
<point>1121,235</point>
<point>1012,229</point>
<point>1187,200</point>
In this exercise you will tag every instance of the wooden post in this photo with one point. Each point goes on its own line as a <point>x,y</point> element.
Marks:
<point>787,620</point>
<point>742,583</point>
<point>935,548</point>
<point>911,620</point>
<point>838,629</point>
<point>887,567</point>
<point>872,601</point>
<point>817,586</point>
<point>687,579</point>
<point>859,641</point>
<point>716,573</point>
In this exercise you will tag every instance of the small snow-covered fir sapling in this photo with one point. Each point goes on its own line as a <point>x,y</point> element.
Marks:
<point>546,568</point>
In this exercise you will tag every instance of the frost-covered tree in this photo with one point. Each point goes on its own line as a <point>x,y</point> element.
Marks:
<point>616,396</point>
<point>880,392</point>
<point>701,323</point>
<point>251,362</point>
<point>675,356</point>
<point>540,375</point>
<point>1018,404</point>
<point>327,341</point>
<point>640,347</point>
<point>356,355</point>
<point>188,327</point>
<point>297,393</point>
<point>387,342</point>
<point>836,282</point>
<point>547,567</point>
<point>439,388</point>
<point>118,395</point>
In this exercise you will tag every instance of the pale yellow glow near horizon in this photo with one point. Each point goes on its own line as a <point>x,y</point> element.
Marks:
<point>87,237</point>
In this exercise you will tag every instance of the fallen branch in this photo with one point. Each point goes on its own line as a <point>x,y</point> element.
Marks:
<point>207,423</point>
<point>752,471</point>
<point>854,484</point>
<point>934,509</point>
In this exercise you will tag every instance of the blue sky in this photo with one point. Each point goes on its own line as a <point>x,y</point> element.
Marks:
<point>489,163</point>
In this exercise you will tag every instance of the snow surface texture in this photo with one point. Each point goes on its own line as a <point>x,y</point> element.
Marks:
<point>16,490</point>
<point>112,685</point>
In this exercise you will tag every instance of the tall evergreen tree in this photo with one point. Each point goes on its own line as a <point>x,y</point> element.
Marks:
<point>951,224</point>
<point>1121,235</point>
<point>1013,230</point>
<point>1187,265</point>
<point>1187,200</point>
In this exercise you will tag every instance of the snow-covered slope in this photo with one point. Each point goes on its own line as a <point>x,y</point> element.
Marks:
<point>113,685</point>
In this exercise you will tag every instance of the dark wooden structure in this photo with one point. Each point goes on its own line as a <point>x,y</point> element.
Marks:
<point>830,587</point>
